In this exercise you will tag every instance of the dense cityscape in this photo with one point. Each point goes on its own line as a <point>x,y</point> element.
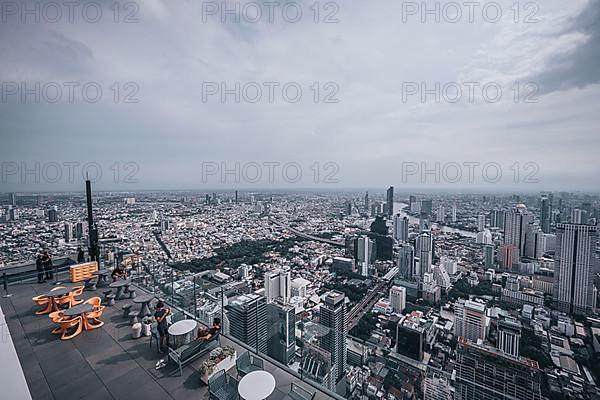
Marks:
<point>370,295</point>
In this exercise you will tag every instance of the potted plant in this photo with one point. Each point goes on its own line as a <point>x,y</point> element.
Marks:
<point>220,358</point>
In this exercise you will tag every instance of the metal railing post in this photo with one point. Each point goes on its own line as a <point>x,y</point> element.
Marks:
<point>5,284</point>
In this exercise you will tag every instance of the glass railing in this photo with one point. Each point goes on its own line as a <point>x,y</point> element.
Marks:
<point>300,349</point>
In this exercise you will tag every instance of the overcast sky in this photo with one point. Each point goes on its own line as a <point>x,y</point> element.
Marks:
<point>365,61</point>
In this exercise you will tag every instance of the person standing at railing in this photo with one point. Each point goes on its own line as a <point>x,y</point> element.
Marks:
<point>80,255</point>
<point>39,266</point>
<point>47,260</point>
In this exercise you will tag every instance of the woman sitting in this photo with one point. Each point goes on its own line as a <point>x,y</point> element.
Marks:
<point>119,273</point>
<point>206,334</point>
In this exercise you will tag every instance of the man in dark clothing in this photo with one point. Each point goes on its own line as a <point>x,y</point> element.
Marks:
<point>39,266</point>
<point>80,255</point>
<point>47,260</point>
<point>160,314</point>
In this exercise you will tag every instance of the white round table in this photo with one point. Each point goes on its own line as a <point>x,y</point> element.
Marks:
<point>181,331</point>
<point>257,385</point>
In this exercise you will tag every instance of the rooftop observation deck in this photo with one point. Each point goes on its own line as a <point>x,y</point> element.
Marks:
<point>105,363</point>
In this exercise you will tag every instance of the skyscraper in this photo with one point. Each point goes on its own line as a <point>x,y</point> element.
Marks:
<point>480,222</point>
<point>364,254</point>
<point>52,215</point>
<point>454,219</point>
<point>546,212</point>
<point>509,336</point>
<point>68,233</point>
<point>426,207</point>
<point>515,227</point>
<point>424,245</point>
<point>398,298</point>
<point>281,341</point>
<point>483,372</point>
<point>441,214</point>
<point>333,316</point>
<point>278,285</point>
<point>470,320</point>
<point>406,261</point>
<point>400,228</point>
<point>390,201</point>
<point>248,320</point>
<point>574,268</point>
<point>367,202</point>
<point>489,255</point>
<point>12,199</point>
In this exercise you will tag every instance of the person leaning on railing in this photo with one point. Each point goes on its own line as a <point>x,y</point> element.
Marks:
<point>160,315</point>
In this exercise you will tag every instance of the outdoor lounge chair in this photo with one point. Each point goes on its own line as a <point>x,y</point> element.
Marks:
<point>247,363</point>
<point>222,386</point>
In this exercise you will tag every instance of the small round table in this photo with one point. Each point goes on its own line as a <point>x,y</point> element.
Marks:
<point>144,300</point>
<point>121,286</point>
<point>181,331</point>
<point>78,310</point>
<point>257,385</point>
<point>52,295</point>
<point>102,275</point>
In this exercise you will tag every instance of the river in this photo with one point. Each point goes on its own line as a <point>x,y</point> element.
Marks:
<point>399,209</point>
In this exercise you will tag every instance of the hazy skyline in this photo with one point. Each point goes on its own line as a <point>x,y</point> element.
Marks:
<point>370,55</point>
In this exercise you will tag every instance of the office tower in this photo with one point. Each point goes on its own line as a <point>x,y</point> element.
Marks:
<point>424,223</point>
<point>574,268</point>
<point>348,208</point>
<point>410,335</point>
<point>248,320</point>
<point>12,199</point>
<point>515,227</point>
<point>441,214</point>
<point>367,202</point>
<point>364,254</point>
<point>412,203</point>
<point>68,232</point>
<point>483,372</point>
<point>438,386</point>
<point>12,214</point>
<point>236,196</point>
<point>342,265</point>
<point>424,246</point>
<point>406,261</point>
<point>389,201</point>
<point>484,237</point>
<point>454,219</point>
<point>426,207</point>
<point>509,335</point>
<point>400,228</point>
<point>278,285</point>
<point>333,316</point>
<point>577,216</point>
<point>79,230</point>
<point>508,255</point>
<point>281,341</point>
<point>470,320</point>
<point>398,298</point>
<point>546,212</point>
<point>480,222</point>
<point>489,256</point>
<point>52,215</point>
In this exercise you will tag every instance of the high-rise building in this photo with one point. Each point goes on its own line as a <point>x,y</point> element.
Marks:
<point>426,207</point>
<point>489,255</point>
<point>441,214</point>
<point>438,386</point>
<point>424,244</point>
<point>410,335</point>
<point>68,232</point>
<point>52,215</point>
<point>470,320</point>
<point>509,336</point>
<point>12,199</point>
<point>364,254</point>
<point>342,265</point>
<point>367,202</point>
<point>333,316</point>
<point>483,372</point>
<point>390,201</point>
<point>278,285</point>
<point>577,216</point>
<point>574,268</point>
<point>406,261</point>
<point>508,255</point>
<point>281,341</point>
<point>236,196</point>
<point>480,222</point>
<point>546,212</point>
<point>80,230</point>
<point>398,298</point>
<point>515,227</point>
<point>248,320</point>
<point>454,219</point>
<point>400,228</point>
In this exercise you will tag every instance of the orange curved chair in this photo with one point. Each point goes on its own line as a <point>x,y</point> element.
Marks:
<point>57,317</point>
<point>75,292</point>
<point>68,324</point>
<point>93,317</point>
<point>95,301</point>
<point>42,301</point>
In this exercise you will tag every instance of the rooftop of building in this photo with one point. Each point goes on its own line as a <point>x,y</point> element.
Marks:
<point>105,363</point>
